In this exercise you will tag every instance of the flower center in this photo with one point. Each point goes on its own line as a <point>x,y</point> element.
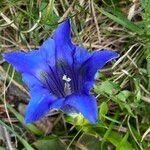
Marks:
<point>67,87</point>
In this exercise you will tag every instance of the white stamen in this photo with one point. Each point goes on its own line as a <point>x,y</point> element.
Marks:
<point>67,88</point>
<point>65,78</point>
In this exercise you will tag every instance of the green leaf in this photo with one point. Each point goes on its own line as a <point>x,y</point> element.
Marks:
<point>50,20</point>
<point>76,119</point>
<point>123,95</point>
<point>115,138</point>
<point>138,93</point>
<point>128,108</point>
<point>122,20</point>
<point>123,143</point>
<point>50,144</point>
<point>109,135</point>
<point>107,87</point>
<point>49,10</point>
<point>103,110</point>
<point>112,120</point>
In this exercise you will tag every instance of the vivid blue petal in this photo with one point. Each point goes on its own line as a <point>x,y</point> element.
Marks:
<point>42,101</point>
<point>85,104</point>
<point>47,51</point>
<point>64,46</point>
<point>81,55</point>
<point>30,62</point>
<point>30,80</point>
<point>62,34</point>
<point>94,63</point>
<point>98,60</point>
<point>64,51</point>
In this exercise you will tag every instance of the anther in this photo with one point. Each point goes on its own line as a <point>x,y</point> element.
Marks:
<point>65,78</point>
<point>67,88</point>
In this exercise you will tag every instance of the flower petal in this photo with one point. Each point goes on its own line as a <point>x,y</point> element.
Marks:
<point>64,46</point>
<point>62,34</point>
<point>47,50</point>
<point>85,104</point>
<point>30,62</point>
<point>30,80</point>
<point>81,55</point>
<point>92,65</point>
<point>98,60</point>
<point>41,102</point>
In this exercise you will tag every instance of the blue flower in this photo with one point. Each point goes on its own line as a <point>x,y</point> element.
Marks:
<point>60,75</point>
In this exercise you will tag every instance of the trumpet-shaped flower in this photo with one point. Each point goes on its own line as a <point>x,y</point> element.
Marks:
<point>60,75</point>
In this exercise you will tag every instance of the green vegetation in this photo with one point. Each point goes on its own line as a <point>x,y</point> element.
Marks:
<point>122,87</point>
